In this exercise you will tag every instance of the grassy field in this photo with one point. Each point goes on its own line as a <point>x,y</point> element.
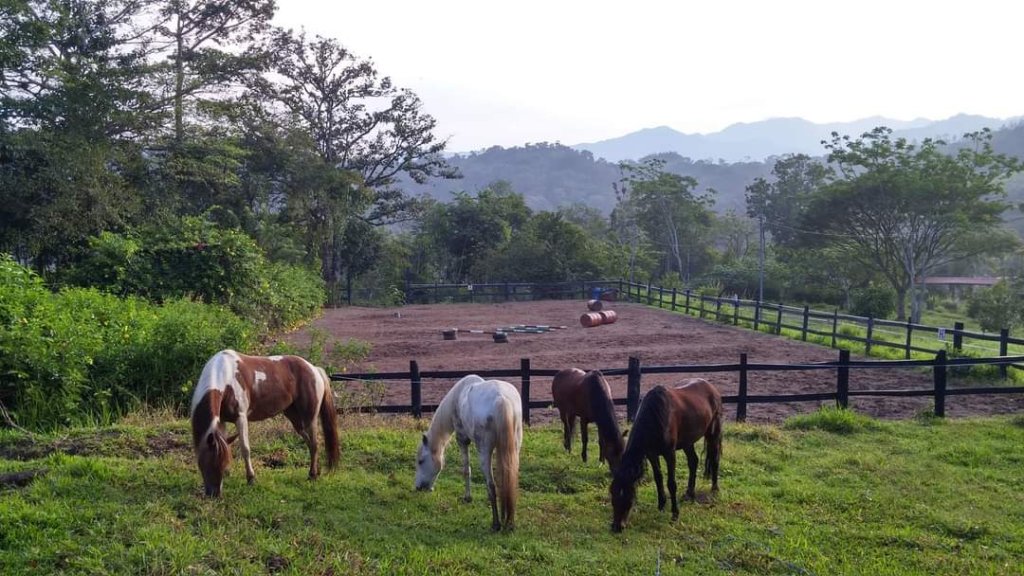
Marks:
<point>830,493</point>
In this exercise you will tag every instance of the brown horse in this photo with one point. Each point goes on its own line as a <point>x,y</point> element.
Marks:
<point>237,388</point>
<point>669,419</point>
<point>587,396</point>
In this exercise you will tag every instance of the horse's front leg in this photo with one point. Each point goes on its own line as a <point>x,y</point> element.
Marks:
<point>656,470</point>
<point>691,462</point>
<point>670,465</point>
<point>492,492</point>
<point>466,473</point>
<point>583,435</point>
<point>242,426</point>
<point>567,431</point>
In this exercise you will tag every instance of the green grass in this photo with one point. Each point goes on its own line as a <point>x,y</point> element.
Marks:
<point>913,497</point>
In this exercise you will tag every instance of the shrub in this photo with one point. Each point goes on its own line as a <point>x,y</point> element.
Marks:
<point>873,301</point>
<point>80,355</point>
<point>996,307</point>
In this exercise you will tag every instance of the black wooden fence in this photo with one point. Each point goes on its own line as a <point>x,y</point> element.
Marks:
<point>939,367</point>
<point>774,317</point>
<point>504,291</point>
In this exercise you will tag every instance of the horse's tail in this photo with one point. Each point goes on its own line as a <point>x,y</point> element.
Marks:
<point>507,447</point>
<point>329,423</point>
<point>713,439</point>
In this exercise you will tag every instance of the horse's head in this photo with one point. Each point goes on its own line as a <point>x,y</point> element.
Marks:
<point>623,492</point>
<point>213,454</point>
<point>428,465</point>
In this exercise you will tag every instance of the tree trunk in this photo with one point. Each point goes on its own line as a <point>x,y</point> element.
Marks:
<point>179,81</point>
<point>901,303</point>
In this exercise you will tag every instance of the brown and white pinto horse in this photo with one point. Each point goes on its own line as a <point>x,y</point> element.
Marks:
<point>237,388</point>
<point>669,419</point>
<point>587,396</point>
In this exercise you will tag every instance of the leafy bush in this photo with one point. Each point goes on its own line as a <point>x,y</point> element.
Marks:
<point>873,301</point>
<point>81,356</point>
<point>996,307</point>
<point>195,259</point>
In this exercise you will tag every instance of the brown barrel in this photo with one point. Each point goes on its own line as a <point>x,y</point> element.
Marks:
<point>594,305</point>
<point>591,319</point>
<point>608,316</point>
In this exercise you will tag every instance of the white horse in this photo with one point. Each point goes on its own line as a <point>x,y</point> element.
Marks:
<point>488,413</point>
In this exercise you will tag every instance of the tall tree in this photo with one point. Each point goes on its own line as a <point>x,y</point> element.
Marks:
<point>358,119</point>
<point>669,210</point>
<point>906,209</point>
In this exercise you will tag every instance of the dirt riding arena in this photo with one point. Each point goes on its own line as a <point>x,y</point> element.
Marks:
<point>657,337</point>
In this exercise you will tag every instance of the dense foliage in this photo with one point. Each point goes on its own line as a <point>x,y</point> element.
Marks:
<point>80,356</point>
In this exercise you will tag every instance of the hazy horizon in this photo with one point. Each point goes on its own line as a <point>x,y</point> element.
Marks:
<point>575,72</point>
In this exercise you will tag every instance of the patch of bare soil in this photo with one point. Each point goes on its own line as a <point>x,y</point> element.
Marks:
<point>111,443</point>
<point>656,337</point>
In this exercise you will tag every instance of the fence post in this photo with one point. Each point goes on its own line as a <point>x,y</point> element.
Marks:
<point>757,315</point>
<point>1004,337</point>
<point>736,312</point>
<point>843,379</point>
<point>633,388</point>
<point>506,292</point>
<point>649,299</point>
<point>741,401</point>
<point>910,336</point>
<point>583,285</point>
<point>778,321</point>
<point>414,375</point>
<point>619,293</point>
<point>686,307</point>
<point>701,315</point>
<point>661,296</point>
<point>803,330</point>
<point>940,383</point>
<point>718,309</point>
<point>867,344</point>
<point>673,299</point>
<point>958,336</point>
<point>835,325</point>
<point>524,370</point>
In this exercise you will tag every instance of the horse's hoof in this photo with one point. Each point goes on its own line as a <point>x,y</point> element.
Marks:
<point>495,527</point>
<point>467,499</point>
<point>250,480</point>
<point>675,516</point>
<point>661,506</point>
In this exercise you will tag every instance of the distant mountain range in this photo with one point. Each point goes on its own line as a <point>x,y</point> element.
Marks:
<point>756,141</point>
<point>550,176</point>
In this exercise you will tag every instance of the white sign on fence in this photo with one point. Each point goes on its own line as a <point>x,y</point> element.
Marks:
<point>942,334</point>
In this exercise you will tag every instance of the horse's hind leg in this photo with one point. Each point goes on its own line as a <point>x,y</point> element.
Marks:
<point>656,470</point>
<point>492,492</point>
<point>691,462</point>
<point>307,431</point>
<point>670,464</point>
<point>464,448</point>
<point>583,436</point>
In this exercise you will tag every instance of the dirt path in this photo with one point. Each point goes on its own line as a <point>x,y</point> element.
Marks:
<point>657,337</point>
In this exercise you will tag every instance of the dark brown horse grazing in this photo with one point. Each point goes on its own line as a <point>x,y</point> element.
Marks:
<point>237,388</point>
<point>669,419</point>
<point>587,396</point>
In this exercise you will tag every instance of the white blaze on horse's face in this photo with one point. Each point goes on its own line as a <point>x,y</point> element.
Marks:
<point>428,466</point>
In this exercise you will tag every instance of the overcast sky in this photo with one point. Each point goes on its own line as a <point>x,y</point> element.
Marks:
<point>575,71</point>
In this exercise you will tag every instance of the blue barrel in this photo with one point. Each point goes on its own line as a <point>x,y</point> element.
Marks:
<point>595,293</point>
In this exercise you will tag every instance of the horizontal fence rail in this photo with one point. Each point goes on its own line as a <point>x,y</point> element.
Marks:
<point>834,327</point>
<point>635,371</point>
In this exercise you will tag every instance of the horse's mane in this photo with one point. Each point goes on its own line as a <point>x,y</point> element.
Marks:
<point>602,411</point>
<point>648,428</point>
